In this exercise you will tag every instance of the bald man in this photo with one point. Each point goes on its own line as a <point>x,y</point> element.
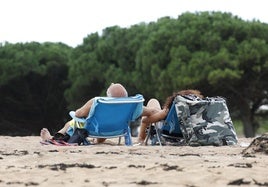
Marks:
<point>114,90</point>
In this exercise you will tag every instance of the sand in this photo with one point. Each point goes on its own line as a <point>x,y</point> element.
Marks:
<point>25,162</point>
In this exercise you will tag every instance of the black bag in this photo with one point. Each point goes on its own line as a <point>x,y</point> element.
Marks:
<point>79,137</point>
<point>60,136</point>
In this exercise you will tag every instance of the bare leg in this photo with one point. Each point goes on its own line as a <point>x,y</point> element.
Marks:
<point>65,128</point>
<point>155,105</point>
<point>45,134</point>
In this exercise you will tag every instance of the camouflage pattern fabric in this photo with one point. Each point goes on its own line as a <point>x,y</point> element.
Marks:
<point>205,121</point>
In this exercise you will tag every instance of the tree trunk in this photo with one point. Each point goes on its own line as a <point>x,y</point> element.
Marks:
<point>249,130</point>
<point>247,120</point>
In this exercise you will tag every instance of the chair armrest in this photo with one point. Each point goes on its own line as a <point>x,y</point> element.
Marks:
<point>72,114</point>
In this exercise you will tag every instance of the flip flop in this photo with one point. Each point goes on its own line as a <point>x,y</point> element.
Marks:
<point>45,142</point>
<point>57,143</point>
<point>66,143</point>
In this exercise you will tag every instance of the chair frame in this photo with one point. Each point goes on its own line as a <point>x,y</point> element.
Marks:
<point>134,102</point>
<point>157,128</point>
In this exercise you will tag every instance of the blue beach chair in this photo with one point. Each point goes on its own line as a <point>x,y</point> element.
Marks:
<point>110,117</point>
<point>165,131</point>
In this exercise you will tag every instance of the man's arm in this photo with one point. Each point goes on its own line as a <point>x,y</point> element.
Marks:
<point>84,110</point>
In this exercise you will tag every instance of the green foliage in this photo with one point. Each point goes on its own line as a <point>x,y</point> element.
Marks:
<point>214,52</point>
<point>217,53</point>
<point>32,84</point>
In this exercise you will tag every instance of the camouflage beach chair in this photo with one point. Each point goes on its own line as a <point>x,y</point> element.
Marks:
<point>205,121</point>
<point>196,122</point>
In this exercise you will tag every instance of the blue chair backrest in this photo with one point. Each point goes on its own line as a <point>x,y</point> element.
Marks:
<point>111,116</point>
<point>172,124</point>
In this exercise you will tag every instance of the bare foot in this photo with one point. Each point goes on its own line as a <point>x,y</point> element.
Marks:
<point>45,134</point>
<point>140,142</point>
<point>100,140</point>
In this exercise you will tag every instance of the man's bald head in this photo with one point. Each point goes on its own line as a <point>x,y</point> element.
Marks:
<point>116,90</point>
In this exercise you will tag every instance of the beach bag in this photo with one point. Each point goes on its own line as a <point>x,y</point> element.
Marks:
<point>79,136</point>
<point>205,121</point>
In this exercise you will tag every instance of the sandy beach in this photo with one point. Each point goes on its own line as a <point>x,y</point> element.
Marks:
<point>25,162</point>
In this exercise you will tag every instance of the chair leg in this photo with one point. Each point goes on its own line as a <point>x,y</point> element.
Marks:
<point>148,135</point>
<point>128,140</point>
<point>150,132</point>
<point>158,134</point>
